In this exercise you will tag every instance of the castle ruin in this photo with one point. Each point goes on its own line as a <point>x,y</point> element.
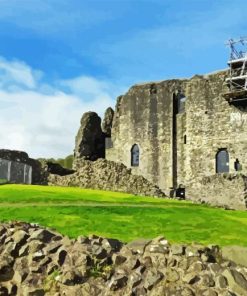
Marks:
<point>178,132</point>
<point>186,136</point>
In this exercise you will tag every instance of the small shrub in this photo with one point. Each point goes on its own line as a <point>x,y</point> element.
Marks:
<point>50,282</point>
<point>98,270</point>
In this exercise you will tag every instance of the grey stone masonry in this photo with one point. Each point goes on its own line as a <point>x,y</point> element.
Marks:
<point>18,167</point>
<point>185,130</point>
<point>15,172</point>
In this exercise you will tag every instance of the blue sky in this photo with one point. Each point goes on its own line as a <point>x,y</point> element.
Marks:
<point>60,58</point>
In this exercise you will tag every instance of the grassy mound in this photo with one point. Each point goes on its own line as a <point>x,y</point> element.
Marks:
<point>75,211</point>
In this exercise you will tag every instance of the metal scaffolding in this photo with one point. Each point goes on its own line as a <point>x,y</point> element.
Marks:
<point>237,80</point>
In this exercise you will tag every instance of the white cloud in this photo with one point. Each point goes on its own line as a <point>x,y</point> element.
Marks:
<point>15,73</point>
<point>89,88</point>
<point>45,125</point>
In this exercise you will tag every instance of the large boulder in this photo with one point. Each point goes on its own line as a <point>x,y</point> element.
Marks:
<point>237,254</point>
<point>90,140</point>
<point>107,122</point>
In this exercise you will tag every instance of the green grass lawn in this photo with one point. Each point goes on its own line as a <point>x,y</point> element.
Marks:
<point>53,194</point>
<point>74,211</point>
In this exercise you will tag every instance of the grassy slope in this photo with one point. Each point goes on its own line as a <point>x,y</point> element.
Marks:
<point>75,211</point>
<point>40,194</point>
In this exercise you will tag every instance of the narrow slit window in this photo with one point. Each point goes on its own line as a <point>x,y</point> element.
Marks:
<point>237,165</point>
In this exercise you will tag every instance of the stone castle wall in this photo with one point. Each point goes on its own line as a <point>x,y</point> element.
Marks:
<point>223,190</point>
<point>144,116</point>
<point>21,164</point>
<point>15,172</point>
<point>210,127</point>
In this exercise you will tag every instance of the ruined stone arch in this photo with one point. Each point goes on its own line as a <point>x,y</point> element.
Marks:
<point>222,161</point>
<point>135,155</point>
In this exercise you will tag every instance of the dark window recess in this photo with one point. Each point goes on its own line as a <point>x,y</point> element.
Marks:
<point>237,165</point>
<point>180,192</point>
<point>222,161</point>
<point>135,155</point>
<point>185,139</point>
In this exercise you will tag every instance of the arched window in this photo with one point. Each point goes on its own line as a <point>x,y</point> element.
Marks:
<point>222,161</point>
<point>135,152</point>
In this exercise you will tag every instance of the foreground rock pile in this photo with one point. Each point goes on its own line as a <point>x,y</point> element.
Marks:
<point>106,175</point>
<point>37,261</point>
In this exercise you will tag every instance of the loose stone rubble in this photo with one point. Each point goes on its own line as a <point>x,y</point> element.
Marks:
<point>38,261</point>
<point>106,175</point>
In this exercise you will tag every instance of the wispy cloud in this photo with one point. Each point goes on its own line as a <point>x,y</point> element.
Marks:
<point>43,119</point>
<point>90,87</point>
<point>52,16</point>
<point>192,42</point>
<point>16,73</point>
